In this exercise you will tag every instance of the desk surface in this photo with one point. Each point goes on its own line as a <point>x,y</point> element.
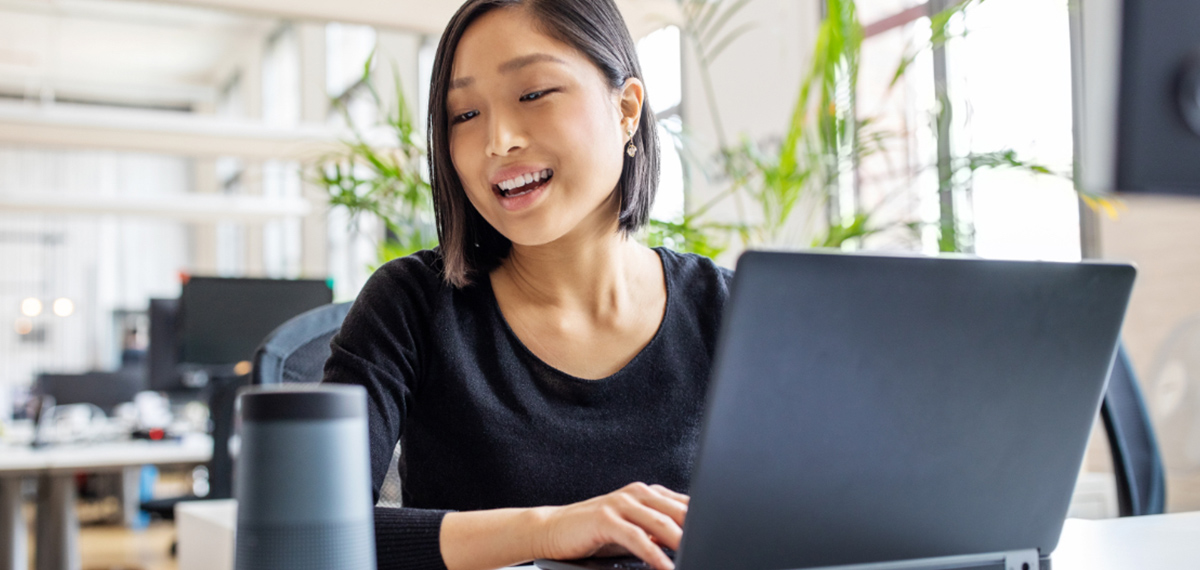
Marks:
<point>1161,542</point>
<point>196,448</point>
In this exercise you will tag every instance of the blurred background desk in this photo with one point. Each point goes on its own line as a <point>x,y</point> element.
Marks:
<point>57,532</point>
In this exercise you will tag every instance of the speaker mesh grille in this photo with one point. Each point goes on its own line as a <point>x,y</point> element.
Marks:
<point>305,547</point>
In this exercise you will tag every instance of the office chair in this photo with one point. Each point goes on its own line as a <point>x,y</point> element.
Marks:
<point>296,351</point>
<point>1141,480</point>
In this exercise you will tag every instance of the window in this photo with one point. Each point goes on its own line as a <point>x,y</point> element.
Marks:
<point>1017,95</point>
<point>1002,94</point>
<point>281,79</point>
<point>659,56</point>
<point>347,49</point>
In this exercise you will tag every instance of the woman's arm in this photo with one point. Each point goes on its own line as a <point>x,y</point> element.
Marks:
<point>638,518</point>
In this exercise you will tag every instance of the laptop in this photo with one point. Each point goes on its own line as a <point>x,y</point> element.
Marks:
<point>887,411</point>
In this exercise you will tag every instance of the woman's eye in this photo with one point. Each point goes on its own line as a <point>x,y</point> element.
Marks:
<point>535,95</point>
<point>463,117</point>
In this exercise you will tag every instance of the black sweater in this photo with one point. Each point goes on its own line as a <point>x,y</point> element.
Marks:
<point>484,423</point>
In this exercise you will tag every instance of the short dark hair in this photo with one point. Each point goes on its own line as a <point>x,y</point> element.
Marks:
<point>469,244</point>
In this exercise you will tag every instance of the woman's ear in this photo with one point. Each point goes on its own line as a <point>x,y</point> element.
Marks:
<point>633,95</point>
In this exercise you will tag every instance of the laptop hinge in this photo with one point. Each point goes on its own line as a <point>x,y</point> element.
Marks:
<point>1012,560</point>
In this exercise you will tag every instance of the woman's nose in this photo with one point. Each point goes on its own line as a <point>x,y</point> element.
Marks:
<point>504,136</point>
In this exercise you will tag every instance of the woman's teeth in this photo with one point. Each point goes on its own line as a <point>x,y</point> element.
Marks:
<point>519,184</point>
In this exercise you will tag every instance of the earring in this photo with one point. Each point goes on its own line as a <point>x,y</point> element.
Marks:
<point>631,150</point>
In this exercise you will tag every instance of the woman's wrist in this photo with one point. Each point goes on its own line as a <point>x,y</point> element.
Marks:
<point>537,525</point>
<point>495,538</point>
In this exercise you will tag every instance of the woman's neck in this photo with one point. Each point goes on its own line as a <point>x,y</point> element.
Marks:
<point>595,271</point>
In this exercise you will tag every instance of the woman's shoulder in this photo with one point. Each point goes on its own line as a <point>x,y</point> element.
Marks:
<point>423,268</point>
<point>696,276</point>
<point>418,275</point>
<point>693,268</point>
<point>406,287</point>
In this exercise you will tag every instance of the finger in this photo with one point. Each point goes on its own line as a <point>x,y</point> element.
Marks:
<point>658,501</point>
<point>633,538</point>
<point>662,528</point>
<point>674,509</point>
<point>672,494</point>
<point>643,490</point>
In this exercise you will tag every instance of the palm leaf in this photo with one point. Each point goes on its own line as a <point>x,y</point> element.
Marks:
<point>709,33</point>
<point>728,39</point>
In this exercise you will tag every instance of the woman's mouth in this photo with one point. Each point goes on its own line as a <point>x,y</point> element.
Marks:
<point>523,184</point>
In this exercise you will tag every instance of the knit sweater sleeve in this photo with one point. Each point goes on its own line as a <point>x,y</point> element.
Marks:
<point>379,347</point>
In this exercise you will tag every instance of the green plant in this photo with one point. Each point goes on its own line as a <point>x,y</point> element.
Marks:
<point>797,184</point>
<point>378,172</point>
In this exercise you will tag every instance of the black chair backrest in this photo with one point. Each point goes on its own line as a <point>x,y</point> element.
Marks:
<point>296,351</point>
<point>1141,481</point>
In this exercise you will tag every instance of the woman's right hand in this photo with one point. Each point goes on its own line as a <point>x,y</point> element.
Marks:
<point>638,519</point>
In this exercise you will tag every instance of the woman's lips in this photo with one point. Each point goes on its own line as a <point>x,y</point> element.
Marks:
<point>522,183</point>
<point>523,197</point>
<point>522,190</point>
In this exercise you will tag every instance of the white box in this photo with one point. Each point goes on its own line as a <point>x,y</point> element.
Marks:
<point>205,532</point>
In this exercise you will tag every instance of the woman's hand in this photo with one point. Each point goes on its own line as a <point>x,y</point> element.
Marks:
<point>639,519</point>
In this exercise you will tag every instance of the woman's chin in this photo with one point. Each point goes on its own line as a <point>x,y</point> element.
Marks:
<point>525,238</point>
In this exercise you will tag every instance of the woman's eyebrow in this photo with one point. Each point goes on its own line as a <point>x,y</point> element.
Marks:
<point>509,67</point>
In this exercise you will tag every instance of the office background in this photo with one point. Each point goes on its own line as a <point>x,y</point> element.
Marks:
<point>142,141</point>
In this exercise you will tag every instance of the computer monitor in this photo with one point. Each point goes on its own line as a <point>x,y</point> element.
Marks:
<point>1158,126</point>
<point>222,321</point>
<point>1136,72</point>
<point>104,389</point>
<point>163,351</point>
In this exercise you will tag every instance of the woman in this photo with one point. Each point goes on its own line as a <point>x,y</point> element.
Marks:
<point>545,372</point>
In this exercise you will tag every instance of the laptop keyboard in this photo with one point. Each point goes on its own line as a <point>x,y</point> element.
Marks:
<point>625,563</point>
<point>629,565</point>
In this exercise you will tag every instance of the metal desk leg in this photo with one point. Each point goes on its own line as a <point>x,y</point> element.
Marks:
<point>131,494</point>
<point>57,546</point>
<point>14,553</point>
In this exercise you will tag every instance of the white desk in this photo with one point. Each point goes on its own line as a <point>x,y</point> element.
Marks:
<point>1160,542</point>
<point>57,527</point>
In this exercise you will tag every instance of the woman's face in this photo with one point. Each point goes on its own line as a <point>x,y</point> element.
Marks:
<point>536,135</point>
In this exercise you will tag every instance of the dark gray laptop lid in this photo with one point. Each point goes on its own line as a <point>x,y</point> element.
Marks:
<point>869,409</point>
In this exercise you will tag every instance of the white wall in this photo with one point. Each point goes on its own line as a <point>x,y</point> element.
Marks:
<point>756,82</point>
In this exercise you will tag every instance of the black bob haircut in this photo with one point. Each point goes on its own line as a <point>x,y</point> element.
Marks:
<point>470,246</point>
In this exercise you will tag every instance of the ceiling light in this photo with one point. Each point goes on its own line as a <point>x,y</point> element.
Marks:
<point>63,307</point>
<point>23,326</point>
<point>31,307</point>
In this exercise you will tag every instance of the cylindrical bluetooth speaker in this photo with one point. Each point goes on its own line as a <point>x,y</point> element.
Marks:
<point>302,479</point>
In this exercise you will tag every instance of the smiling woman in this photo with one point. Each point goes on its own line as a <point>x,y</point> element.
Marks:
<point>543,371</point>
<point>567,56</point>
